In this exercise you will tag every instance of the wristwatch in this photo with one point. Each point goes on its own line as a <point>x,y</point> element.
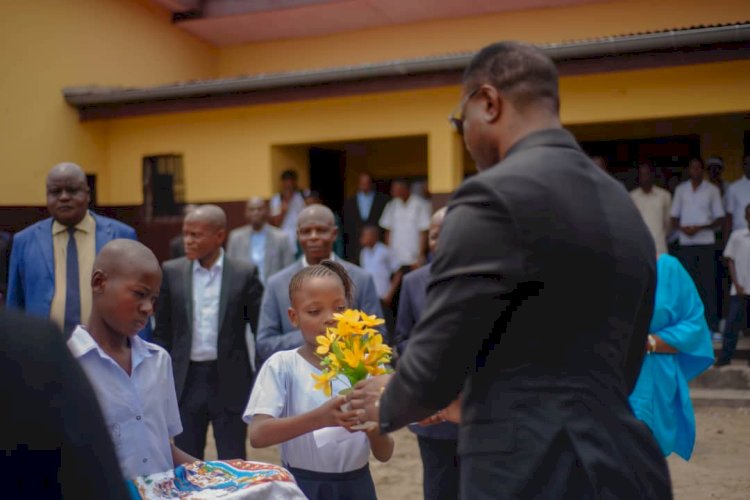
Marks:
<point>651,344</point>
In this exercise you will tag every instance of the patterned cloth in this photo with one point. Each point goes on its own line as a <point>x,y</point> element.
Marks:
<point>228,480</point>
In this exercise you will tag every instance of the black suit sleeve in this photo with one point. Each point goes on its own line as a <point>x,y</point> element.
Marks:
<point>253,298</point>
<point>637,347</point>
<point>163,333</point>
<point>477,266</point>
<point>53,440</point>
<point>406,316</point>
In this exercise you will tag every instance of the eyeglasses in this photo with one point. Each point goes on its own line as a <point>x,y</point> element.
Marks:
<point>456,120</point>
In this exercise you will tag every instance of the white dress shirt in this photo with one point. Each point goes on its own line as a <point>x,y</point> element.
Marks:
<point>289,224</point>
<point>654,207</point>
<point>379,262</point>
<point>738,249</point>
<point>206,293</point>
<point>697,207</point>
<point>140,409</point>
<point>405,221</point>
<point>284,388</point>
<point>737,198</point>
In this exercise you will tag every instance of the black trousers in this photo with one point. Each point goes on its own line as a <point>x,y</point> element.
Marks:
<point>700,263</point>
<point>199,405</point>
<point>440,468</point>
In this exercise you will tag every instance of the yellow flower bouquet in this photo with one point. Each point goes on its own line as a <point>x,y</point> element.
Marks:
<point>351,351</point>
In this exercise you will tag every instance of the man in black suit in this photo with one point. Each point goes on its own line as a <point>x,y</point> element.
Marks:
<point>362,209</point>
<point>207,299</point>
<point>53,441</point>
<point>177,244</point>
<point>538,309</point>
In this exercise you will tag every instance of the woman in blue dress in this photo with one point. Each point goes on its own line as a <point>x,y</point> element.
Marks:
<point>678,349</point>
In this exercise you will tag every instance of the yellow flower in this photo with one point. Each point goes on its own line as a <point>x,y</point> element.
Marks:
<point>371,320</point>
<point>355,354</point>
<point>324,343</point>
<point>323,381</point>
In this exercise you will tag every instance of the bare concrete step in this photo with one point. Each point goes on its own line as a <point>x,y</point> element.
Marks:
<point>732,398</point>
<point>733,376</point>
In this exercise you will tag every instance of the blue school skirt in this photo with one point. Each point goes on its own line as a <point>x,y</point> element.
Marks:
<point>351,485</point>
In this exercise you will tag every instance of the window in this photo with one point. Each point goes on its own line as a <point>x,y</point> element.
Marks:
<point>163,186</point>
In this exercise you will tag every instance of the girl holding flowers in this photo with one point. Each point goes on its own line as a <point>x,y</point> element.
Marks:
<point>328,458</point>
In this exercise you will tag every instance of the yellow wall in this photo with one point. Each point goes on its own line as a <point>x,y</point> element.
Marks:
<point>229,154</point>
<point>46,45</point>
<point>578,22</point>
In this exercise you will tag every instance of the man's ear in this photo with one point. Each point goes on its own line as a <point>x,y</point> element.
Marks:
<point>98,281</point>
<point>493,103</point>
<point>293,317</point>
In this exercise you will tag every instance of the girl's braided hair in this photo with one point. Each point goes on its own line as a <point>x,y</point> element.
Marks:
<point>324,269</point>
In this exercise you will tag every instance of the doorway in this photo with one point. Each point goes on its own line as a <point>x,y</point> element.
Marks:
<point>327,176</point>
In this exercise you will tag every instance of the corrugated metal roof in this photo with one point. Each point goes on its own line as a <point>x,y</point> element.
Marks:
<point>632,43</point>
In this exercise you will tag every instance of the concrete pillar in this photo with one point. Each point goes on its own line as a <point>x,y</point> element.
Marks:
<point>445,160</point>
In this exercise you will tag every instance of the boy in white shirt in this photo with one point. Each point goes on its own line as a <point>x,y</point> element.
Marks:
<point>132,378</point>
<point>737,253</point>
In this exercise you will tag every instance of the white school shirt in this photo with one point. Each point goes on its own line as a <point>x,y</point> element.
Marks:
<point>206,293</point>
<point>737,198</point>
<point>405,221</point>
<point>654,207</point>
<point>289,224</point>
<point>140,410</point>
<point>738,249</point>
<point>697,207</point>
<point>284,388</point>
<point>379,262</point>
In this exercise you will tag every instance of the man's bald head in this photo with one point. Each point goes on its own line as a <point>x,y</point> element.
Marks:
<point>319,214</point>
<point>125,286</point>
<point>203,231</point>
<point>212,214</point>
<point>67,194</point>
<point>67,170</point>
<point>316,232</point>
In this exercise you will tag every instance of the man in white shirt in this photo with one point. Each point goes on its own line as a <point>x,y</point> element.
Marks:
<point>697,210</point>
<point>654,204</point>
<point>376,258</point>
<point>737,198</point>
<point>286,206</point>
<point>206,302</point>
<point>405,221</point>
<point>737,254</point>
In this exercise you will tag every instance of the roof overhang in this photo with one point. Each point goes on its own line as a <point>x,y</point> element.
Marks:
<point>618,53</point>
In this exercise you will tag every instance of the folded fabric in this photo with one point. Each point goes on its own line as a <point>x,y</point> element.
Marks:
<point>225,479</point>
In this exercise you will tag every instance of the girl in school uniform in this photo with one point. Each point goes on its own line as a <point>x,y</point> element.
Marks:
<point>328,459</point>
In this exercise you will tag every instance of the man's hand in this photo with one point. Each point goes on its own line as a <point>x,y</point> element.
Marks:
<point>451,413</point>
<point>690,230</point>
<point>366,396</point>
<point>740,290</point>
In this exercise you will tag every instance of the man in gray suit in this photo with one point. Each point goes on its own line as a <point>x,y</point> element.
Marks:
<point>316,232</point>
<point>259,243</point>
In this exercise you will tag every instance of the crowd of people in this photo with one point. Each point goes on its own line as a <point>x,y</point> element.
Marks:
<point>495,279</point>
<point>703,222</point>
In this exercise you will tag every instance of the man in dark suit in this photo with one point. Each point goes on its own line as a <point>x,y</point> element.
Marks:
<point>538,309</point>
<point>362,209</point>
<point>207,299</point>
<point>316,232</point>
<point>51,261</point>
<point>437,443</point>
<point>53,441</point>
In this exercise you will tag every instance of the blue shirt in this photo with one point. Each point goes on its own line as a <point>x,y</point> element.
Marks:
<point>257,251</point>
<point>140,409</point>
<point>364,203</point>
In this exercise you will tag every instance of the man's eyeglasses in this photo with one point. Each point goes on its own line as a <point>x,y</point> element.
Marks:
<point>457,120</point>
